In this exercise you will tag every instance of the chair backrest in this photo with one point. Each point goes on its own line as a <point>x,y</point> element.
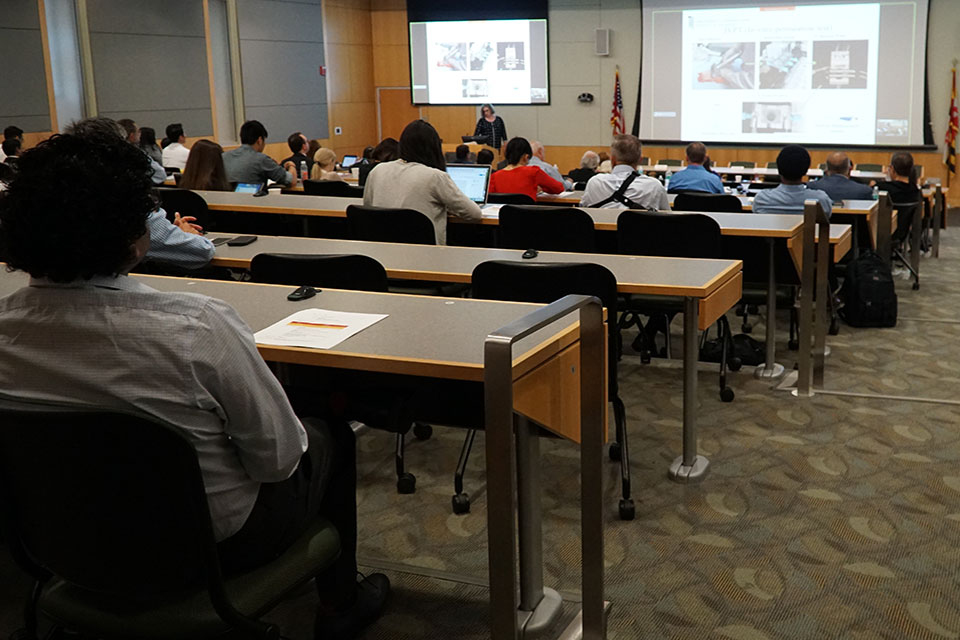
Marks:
<point>905,212</point>
<point>747,164</point>
<point>644,161</point>
<point>545,282</point>
<point>186,203</point>
<point>546,228</point>
<point>510,198</point>
<point>109,501</point>
<point>335,188</point>
<point>360,273</point>
<point>579,186</point>
<point>382,224</point>
<point>674,235</point>
<point>721,202</point>
<point>669,162</point>
<point>823,166</point>
<point>771,165</point>
<point>869,166</point>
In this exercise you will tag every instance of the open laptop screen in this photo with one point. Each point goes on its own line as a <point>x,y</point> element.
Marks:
<point>248,187</point>
<point>348,161</point>
<point>472,179</point>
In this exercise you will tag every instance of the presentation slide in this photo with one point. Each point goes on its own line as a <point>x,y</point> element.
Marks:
<point>477,61</point>
<point>837,73</point>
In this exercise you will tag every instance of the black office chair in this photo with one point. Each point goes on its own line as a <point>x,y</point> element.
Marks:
<point>107,511</point>
<point>746,164</point>
<point>335,188</point>
<point>356,272</point>
<point>900,238</point>
<point>546,282</point>
<point>716,202</point>
<point>771,165</point>
<point>546,229</point>
<point>689,235</point>
<point>186,203</point>
<point>579,186</point>
<point>644,161</point>
<point>383,224</point>
<point>869,166</point>
<point>510,198</point>
<point>669,162</point>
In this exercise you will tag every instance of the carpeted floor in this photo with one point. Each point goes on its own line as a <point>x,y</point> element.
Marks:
<point>836,516</point>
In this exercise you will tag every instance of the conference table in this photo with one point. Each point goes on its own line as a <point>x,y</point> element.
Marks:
<point>536,357</point>
<point>709,288</point>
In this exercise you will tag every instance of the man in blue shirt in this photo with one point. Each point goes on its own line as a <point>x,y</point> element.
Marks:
<point>695,177</point>
<point>792,165</point>
<point>836,181</point>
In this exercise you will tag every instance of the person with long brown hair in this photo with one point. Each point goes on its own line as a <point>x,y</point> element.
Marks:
<point>204,170</point>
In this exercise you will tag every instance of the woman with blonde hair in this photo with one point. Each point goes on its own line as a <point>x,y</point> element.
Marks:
<point>324,163</point>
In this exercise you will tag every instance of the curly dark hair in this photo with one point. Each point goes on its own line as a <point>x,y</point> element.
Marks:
<point>75,208</point>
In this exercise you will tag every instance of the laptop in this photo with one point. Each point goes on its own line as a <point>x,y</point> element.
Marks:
<point>348,161</point>
<point>472,179</point>
<point>247,187</point>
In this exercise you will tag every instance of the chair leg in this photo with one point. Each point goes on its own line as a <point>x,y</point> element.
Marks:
<point>666,333</point>
<point>794,342</point>
<point>898,254</point>
<point>461,500</point>
<point>726,347</point>
<point>626,507</point>
<point>406,482</point>
<point>746,327</point>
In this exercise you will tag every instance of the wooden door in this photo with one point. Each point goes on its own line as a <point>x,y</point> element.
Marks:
<point>395,111</point>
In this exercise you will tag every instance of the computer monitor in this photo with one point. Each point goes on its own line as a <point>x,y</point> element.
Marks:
<point>248,187</point>
<point>472,179</point>
<point>348,161</point>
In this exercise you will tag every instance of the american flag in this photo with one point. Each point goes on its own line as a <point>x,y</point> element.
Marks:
<point>616,113</point>
<point>950,158</point>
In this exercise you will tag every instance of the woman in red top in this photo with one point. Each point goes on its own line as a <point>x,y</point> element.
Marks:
<point>518,177</point>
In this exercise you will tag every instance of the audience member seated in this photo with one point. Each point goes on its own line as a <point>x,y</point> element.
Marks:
<point>836,181</point>
<point>312,150</point>
<point>180,243</point>
<point>204,170</point>
<point>299,147</point>
<point>641,192</point>
<point>387,151</point>
<point>175,154</point>
<point>537,160</point>
<point>11,133</point>
<point>419,181</point>
<point>324,165</point>
<point>588,167</point>
<point>367,156</point>
<point>793,162</point>
<point>462,154</point>
<point>132,134</point>
<point>519,175</point>
<point>148,144</point>
<point>695,176</point>
<point>11,149</point>
<point>605,165</point>
<point>484,156</point>
<point>900,184</point>
<point>248,163</point>
<point>84,332</point>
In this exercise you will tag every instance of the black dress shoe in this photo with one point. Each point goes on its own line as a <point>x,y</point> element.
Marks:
<point>372,594</point>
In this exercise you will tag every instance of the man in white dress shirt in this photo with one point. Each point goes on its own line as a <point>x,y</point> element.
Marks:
<point>175,154</point>
<point>606,190</point>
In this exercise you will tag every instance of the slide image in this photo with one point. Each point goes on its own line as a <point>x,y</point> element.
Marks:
<point>784,65</point>
<point>840,64</point>
<point>480,52</point>
<point>476,88</point>
<point>724,65</point>
<point>891,128</point>
<point>453,56</point>
<point>768,117</point>
<point>510,56</point>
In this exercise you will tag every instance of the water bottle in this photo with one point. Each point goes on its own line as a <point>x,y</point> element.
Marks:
<point>304,175</point>
<point>876,192</point>
<point>666,180</point>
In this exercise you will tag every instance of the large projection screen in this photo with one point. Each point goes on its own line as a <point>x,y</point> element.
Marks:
<point>811,72</point>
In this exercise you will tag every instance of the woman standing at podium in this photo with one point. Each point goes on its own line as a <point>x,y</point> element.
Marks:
<point>491,127</point>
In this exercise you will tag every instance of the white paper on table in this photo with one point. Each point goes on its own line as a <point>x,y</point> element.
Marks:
<point>316,328</point>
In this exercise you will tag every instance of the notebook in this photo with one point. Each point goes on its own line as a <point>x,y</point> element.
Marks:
<point>472,179</point>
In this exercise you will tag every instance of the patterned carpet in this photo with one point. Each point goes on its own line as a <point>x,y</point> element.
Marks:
<point>831,517</point>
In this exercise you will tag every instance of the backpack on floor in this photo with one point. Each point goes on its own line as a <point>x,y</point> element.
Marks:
<point>751,352</point>
<point>868,293</point>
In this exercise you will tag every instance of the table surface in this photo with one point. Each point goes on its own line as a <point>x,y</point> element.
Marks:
<point>422,335</point>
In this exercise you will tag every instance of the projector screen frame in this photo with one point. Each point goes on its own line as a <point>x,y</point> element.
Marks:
<point>413,102</point>
<point>726,144</point>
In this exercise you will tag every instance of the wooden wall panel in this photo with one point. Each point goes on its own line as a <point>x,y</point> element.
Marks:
<point>451,122</point>
<point>395,112</point>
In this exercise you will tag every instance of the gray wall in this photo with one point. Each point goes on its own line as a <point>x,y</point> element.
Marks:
<point>281,50</point>
<point>150,63</point>
<point>23,97</point>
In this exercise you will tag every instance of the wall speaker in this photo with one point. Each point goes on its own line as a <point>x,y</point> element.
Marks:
<point>603,42</point>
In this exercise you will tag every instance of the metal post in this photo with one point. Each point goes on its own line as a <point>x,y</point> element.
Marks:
<point>938,211</point>
<point>822,307</point>
<point>770,369</point>
<point>528,502</point>
<point>810,209</point>
<point>689,467</point>
<point>884,213</point>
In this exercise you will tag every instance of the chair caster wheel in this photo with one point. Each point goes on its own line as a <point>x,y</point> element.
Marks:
<point>793,345</point>
<point>645,357</point>
<point>422,431</point>
<point>614,452</point>
<point>627,510</point>
<point>461,503</point>
<point>734,364</point>
<point>406,483</point>
<point>916,286</point>
<point>747,327</point>
<point>834,327</point>
<point>727,394</point>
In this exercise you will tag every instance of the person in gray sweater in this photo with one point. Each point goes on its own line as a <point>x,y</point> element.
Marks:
<point>419,181</point>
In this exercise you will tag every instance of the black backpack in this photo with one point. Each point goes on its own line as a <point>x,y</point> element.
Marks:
<point>868,294</point>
